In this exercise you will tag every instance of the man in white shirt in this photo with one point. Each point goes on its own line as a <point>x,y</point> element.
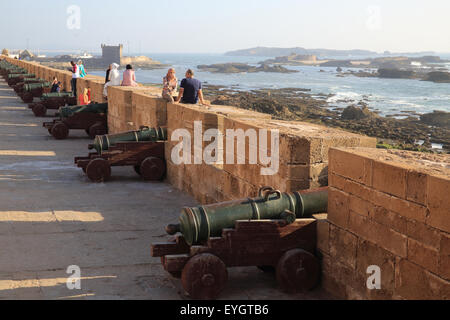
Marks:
<point>75,75</point>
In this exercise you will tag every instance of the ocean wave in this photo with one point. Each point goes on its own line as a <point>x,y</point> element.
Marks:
<point>406,104</point>
<point>349,95</point>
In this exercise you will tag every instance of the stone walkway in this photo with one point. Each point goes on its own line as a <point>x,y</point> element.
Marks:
<point>52,217</point>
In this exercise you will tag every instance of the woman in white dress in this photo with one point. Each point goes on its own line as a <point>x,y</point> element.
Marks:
<point>114,78</point>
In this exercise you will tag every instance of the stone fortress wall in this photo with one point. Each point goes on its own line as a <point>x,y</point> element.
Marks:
<point>388,209</point>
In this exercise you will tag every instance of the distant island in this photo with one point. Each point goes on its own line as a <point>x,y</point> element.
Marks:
<point>374,63</point>
<point>242,67</point>
<point>275,52</point>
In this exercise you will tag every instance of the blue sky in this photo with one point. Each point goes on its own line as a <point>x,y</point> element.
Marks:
<point>219,26</point>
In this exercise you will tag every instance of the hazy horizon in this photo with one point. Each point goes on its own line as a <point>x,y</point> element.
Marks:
<point>200,26</point>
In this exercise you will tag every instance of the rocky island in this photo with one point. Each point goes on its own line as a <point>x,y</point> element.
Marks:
<point>242,67</point>
<point>433,76</point>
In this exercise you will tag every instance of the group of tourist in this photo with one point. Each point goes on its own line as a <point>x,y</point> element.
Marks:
<point>113,77</point>
<point>190,89</point>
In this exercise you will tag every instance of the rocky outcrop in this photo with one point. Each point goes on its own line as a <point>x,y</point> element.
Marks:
<point>436,118</point>
<point>242,67</point>
<point>437,76</point>
<point>355,113</point>
<point>396,74</point>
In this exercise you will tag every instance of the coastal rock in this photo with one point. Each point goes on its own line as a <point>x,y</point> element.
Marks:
<point>436,118</point>
<point>438,76</point>
<point>242,67</point>
<point>355,113</point>
<point>396,74</point>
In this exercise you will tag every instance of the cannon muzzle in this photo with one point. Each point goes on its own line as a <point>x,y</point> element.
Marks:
<point>172,229</point>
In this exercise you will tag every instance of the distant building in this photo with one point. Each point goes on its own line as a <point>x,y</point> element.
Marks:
<point>112,54</point>
<point>26,55</point>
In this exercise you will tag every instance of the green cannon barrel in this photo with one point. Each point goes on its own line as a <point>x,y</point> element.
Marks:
<point>35,80</point>
<point>17,75</point>
<point>32,86</point>
<point>16,70</point>
<point>66,112</point>
<point>24,75</point>
<point>198,224</point>
<point>102,143</point>
<point>47,96</point>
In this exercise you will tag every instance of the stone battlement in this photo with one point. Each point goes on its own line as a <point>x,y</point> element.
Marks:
<point>386,208</point>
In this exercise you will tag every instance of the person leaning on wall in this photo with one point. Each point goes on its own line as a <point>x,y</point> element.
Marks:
<point>170,84</point>
<point>114,79</point>
<point>191,90</point>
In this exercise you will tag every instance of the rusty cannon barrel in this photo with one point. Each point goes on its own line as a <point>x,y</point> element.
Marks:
<point>66,112</point>
<point>102,143</point>
<point>198,224</point>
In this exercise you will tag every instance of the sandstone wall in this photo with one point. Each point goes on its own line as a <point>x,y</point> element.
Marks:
<point>390,209</point>
<point>386,208</point>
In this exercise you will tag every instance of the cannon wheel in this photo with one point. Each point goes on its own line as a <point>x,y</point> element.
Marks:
<point>60,131</point>
<point>204,276</point>
<point>27,97</point>
<point>98,170</point>
<point>96,130</point>
<point>152,169</point>
<point>297,271</point>
<point>39,110</point>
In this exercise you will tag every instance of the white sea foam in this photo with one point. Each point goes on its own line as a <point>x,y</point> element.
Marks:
<point>345,96</point>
